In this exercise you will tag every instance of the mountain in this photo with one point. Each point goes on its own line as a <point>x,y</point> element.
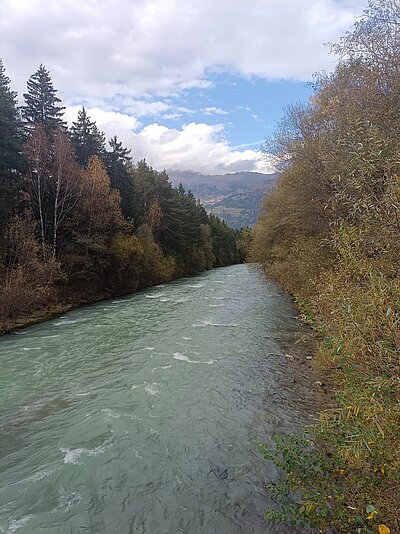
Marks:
<point>234,197</point>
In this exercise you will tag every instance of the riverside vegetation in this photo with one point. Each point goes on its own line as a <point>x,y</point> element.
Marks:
<point>330,234</point>
<point>79,222</point>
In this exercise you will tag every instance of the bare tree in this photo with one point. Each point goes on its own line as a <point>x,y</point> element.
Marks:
<point>37,151</point>
<point>375,38</point>
<point>65,183</point>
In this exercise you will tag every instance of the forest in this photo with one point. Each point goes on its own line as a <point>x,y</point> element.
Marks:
<point>330,234</point>
<point>79,221</point>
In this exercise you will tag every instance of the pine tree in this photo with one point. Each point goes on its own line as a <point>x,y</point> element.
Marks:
<point>11,159</point>
<point>117,161</point>
<point>86,138</point>
<point>41,103</point>
<point>118,152</point>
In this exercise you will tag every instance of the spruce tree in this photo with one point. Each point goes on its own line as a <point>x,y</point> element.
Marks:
<point>86,138</point>
<point>11,159</point>
<point>118,152</point>
<point>117,160</point>
<point>41,103</point>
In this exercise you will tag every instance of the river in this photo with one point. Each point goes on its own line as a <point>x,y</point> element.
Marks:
<point>142,414</point>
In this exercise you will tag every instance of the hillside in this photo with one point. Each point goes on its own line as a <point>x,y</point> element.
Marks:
<point>234,197</point>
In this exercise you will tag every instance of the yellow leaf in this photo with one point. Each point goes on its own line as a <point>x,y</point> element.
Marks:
<point>310,507</point>
<point>383,529</point>
<point>372,515</point>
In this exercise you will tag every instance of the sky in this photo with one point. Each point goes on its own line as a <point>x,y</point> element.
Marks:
<point>187,84</point>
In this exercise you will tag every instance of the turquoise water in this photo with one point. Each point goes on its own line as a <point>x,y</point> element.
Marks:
<point>142,414</point>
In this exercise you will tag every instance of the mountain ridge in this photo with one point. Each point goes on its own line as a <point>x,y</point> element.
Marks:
<point>234,197</point>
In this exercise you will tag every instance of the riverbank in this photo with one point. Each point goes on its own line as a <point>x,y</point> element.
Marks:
<point>349,478</point>
<point>358,442</point>
<point>47,313</point>
<point>329,234</point>
<point>67,300</point>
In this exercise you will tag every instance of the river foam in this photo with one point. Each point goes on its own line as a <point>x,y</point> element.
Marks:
<point>209,323</point>
<point>64,321</point>
<point>181,357</point>
<point>110,414</point>
<point>168,366</point>
<point>16,524</point>
<point>152,389</point>
<point>40,475</point>
<point>72,456</point>
<point>66,500</point>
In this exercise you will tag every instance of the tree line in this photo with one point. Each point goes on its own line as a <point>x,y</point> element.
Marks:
<point>79,219</point>
<point>330,234</point>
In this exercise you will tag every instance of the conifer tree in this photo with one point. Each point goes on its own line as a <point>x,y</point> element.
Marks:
<point>86,138</point>
<point>117,160</point>
<point>41,103</point>
<point>118,152</point>
<point>11,159</point>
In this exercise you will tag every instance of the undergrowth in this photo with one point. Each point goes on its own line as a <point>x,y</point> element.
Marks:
<point>346,468</point>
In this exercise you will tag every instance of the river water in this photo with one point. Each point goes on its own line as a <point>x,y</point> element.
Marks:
<point>142,414</point>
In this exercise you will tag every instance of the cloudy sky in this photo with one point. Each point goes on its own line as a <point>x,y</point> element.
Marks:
<point>187,84</point>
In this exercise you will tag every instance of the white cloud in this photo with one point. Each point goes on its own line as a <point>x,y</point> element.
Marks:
<point>212,110</point>
<point>128,59</point>
<point>257,118</point>
<point>103,48</point>
<point>112,122</point>
<point>141,108</point>
<point>172,116</point>
<point>196,146</point>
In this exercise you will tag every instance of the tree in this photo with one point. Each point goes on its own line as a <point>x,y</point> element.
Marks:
<point>27,280</point>
<point>118,152</point>
<point>65,184</point>
<point>11,158</point>
<point>156,266</point>
<point>118,163</point>
<point>86,138</point>
<point>224,242</point>
<point>52,183</point>
<point>154,217</point>
<point>375,38</point>
<point>41,103</point>
<point>147,185</point>
<point>126,262</point>
<point>92,225</point>
<point>37,152</point>
<point>329,234</point>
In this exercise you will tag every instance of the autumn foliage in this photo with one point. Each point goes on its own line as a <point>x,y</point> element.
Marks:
<point>79,222</point>
<point>330,235</point>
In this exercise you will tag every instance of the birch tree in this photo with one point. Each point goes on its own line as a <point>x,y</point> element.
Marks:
<point>65,184</point>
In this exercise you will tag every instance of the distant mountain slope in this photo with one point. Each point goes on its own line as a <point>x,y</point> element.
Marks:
<point>234,197</point>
